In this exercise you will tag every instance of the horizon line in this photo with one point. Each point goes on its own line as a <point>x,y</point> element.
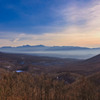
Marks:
<point>50,46</point>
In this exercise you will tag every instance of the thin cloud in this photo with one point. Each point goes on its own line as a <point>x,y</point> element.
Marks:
<point>88,17</point>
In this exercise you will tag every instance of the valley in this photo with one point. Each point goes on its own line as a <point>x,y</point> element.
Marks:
<point>56,77</point>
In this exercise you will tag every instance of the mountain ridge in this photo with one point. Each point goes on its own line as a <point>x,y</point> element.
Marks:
<point>52,47</point>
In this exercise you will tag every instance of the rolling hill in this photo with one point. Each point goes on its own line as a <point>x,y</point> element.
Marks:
<point>49,64</point>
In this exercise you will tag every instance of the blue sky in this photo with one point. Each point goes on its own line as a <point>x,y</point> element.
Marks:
<point>29,15</point>
<point>49,22</point>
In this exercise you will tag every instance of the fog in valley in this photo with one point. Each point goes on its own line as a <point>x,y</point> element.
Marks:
<point>77,54</point>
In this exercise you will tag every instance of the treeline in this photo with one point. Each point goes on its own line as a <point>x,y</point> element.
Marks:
<point>25,86</point>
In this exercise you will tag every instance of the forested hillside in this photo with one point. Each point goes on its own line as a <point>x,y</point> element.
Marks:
<point>25,86</point>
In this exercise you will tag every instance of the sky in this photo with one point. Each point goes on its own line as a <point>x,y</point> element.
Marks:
<point>50,22</point>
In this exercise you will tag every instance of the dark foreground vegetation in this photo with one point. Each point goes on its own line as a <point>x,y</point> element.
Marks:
<point>44,78</point>
<point>25,86</point>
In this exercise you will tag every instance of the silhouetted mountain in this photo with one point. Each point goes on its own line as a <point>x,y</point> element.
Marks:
<point>44,48</point>
<point>26,46</point>
<point>41,48</point>
<point>23,48</point>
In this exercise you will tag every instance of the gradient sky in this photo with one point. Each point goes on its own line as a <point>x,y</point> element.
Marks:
<point>50,22</point>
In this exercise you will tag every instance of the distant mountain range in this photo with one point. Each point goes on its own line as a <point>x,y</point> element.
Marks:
<point>43,48</point>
